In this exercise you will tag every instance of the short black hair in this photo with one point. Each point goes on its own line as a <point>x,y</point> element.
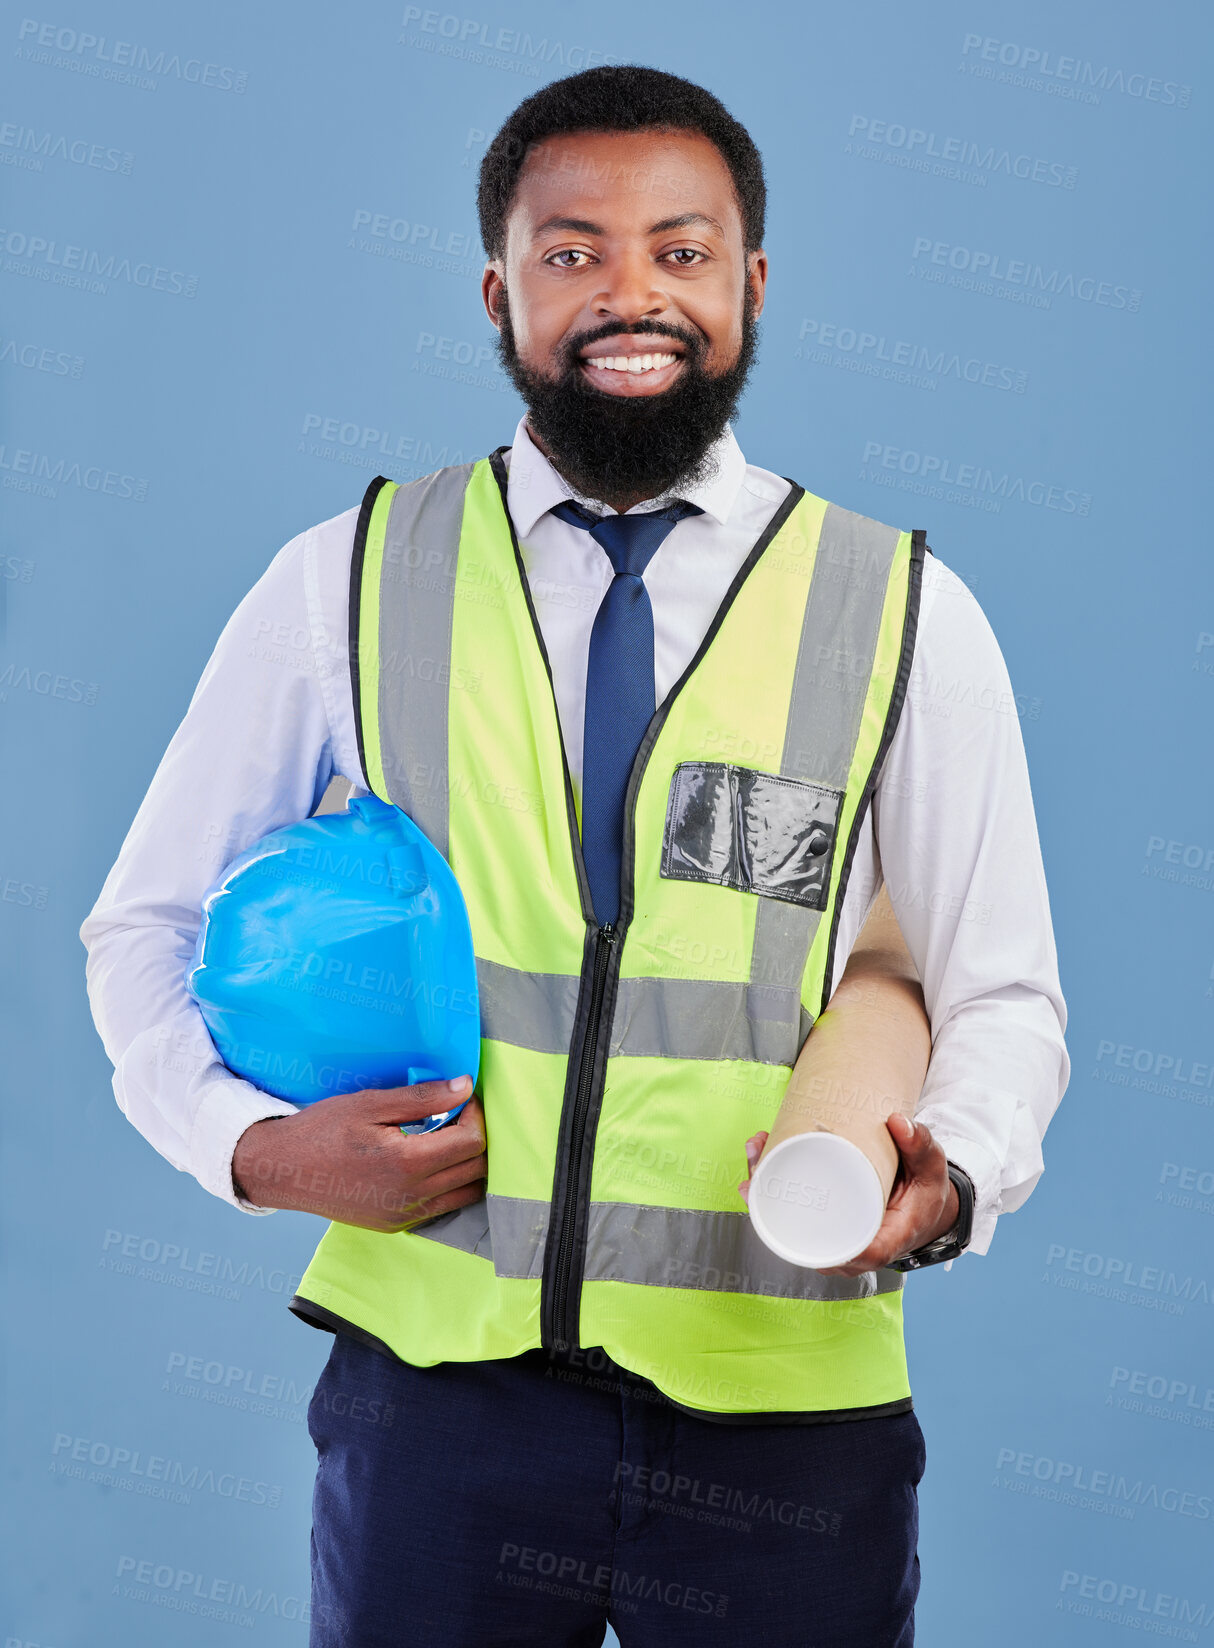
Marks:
<point>618,97</point>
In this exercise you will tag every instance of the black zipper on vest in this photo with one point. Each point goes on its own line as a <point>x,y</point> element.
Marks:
<point>565,1249</point>
<point>562,1312</point>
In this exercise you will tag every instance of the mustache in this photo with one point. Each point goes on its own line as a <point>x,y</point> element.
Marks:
<point>694,343</point>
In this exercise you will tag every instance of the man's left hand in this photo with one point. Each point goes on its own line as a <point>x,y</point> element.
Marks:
<point>923,1204</point>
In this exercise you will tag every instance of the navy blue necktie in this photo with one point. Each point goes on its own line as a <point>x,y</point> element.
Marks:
<point>619,687</point>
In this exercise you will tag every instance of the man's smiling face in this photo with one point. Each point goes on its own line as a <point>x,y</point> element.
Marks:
<point>629,322</point>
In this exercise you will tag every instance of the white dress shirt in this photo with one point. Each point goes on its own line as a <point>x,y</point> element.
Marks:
<point>271,723</point>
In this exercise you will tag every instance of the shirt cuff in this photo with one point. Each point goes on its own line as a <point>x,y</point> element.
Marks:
<point>226,1108</point>
<point>984,1170</point>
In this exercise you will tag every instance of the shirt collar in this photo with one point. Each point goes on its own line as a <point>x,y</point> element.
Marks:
<point>533,485</point>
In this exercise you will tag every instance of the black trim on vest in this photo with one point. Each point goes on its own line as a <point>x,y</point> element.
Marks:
<point>316,1316</point>
<point>893,716</point>
<point>502,479</point>
<point>569,1217</point>
<point>570,1302</point>
<point>355,612</point>
<point>569,1209</point>
<point>799,1416</point>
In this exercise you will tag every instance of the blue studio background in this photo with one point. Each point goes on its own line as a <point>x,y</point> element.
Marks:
<point>986,314</point>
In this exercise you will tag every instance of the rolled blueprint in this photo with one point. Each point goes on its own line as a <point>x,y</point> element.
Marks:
<point>820,1189</point>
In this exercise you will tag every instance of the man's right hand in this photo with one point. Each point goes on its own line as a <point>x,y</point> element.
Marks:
<point>345,1158</point>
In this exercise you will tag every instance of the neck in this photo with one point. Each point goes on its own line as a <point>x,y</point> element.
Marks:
<point>620,501</point>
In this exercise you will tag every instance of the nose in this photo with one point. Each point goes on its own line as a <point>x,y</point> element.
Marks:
<point>631,290</point>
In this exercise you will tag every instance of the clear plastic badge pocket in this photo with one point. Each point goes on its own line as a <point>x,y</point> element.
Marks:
<point>754,831</point>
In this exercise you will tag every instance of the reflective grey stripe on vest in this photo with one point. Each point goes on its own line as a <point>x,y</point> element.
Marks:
<point>654,1018</point>
<point>842,626</point>
<point>651,1246</point>
<point>416,607</point>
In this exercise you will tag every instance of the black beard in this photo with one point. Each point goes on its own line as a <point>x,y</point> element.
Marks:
<point>616,446</point>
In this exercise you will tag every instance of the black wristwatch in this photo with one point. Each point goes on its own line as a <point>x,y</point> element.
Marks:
<point>953,1242</point>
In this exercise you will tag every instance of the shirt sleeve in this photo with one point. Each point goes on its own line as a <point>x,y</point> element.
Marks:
<point>254,752</point>
<point>957,837</point>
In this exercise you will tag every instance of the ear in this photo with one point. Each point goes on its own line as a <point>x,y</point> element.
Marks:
<point>492,285</point>
<point>756,278</point>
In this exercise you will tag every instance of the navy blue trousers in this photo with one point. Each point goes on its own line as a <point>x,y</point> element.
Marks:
<point>534,1500</point>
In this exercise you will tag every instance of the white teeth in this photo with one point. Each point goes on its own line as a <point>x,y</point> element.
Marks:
<point>631,363</point>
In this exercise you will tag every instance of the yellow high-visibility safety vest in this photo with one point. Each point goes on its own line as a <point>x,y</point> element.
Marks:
<point>623,1069</point>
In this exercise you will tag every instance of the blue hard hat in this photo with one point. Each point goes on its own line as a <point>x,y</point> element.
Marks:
<point>336,955</point>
